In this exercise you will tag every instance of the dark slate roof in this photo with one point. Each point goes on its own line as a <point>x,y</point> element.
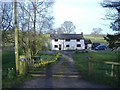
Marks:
<point>66,36</point>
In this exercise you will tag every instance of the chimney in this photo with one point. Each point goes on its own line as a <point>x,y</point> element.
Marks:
<point>81,33</point>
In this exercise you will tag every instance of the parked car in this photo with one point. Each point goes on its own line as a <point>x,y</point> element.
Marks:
<point>101,47</point>
<point>95,44</point>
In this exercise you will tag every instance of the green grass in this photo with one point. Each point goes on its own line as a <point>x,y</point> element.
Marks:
<point>46,57</point>
<point>99,38</point>
<point>104,56</point>
<point>98,73</point>
<point>8,61</point>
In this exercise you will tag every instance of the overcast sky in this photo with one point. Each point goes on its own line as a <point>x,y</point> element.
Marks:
<point>85,15</point>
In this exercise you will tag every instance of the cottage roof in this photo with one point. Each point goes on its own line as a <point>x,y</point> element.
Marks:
<point>66,36</point>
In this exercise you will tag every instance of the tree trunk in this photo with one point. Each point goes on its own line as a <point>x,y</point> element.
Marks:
<point>29,42</point>
<point>16,37</point>
<point>34,34</point>
<point>35,9</point>
<point>23,47</point>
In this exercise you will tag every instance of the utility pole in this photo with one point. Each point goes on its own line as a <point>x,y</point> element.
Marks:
<point>16,37</point>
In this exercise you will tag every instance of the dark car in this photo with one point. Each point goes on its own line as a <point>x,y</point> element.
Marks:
<point>95,44</point>
<point>101,47</point>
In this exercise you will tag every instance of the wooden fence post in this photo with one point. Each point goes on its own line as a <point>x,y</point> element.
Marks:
<point>112,70</point>
<point>89,66</point>
<point>22,65</point>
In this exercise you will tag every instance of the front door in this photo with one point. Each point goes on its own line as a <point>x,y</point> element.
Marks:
<point>59,46</point>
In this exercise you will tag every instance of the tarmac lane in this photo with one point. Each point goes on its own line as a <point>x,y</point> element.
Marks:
<point>63,74</point>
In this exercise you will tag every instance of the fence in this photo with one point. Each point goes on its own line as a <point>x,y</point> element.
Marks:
<point>104,70</point>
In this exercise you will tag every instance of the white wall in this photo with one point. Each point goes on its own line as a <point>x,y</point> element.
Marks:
<point>61,43</point>
<point>72,44</point>
<point>89,46</point>
<point>82,44</point>
<point>54,43</point>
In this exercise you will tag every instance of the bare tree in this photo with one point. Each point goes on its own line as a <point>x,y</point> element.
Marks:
<point>33,17</point>
<point>115,25</point>
<point>68,27</point>
<point>116,16</point>
<point>38,18</point>
<point>59,31</point>
<point>96,31</point>
<point>6,11</point>
<point>6,22</point>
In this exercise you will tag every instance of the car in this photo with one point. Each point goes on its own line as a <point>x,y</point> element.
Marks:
<point>95,44</point>
<point>101,47</point>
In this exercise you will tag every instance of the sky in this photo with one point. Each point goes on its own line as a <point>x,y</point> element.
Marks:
<point>85,15</point>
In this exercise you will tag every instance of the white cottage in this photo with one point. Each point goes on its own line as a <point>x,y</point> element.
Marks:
<point>67,42</point>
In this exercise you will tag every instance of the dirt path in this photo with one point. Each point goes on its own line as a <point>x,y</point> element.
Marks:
<point>61,75</point>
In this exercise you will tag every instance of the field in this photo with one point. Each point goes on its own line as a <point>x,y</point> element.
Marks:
<point>99,38</point>
<point>99,71</point>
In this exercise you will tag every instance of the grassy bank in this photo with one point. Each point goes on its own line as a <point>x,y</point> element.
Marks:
<point>100,72</point>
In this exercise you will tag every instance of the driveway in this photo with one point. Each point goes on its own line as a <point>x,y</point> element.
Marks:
<point>63,74</point>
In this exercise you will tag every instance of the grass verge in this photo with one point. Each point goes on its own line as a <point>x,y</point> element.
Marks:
<point>100,72</point>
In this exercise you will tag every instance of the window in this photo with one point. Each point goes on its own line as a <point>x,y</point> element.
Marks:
<point>67,45</point>
<point>78,45</point>
<point>56,40</point>
<point>67,40</point>
<point>78,40</point>
<point>56,46</point>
